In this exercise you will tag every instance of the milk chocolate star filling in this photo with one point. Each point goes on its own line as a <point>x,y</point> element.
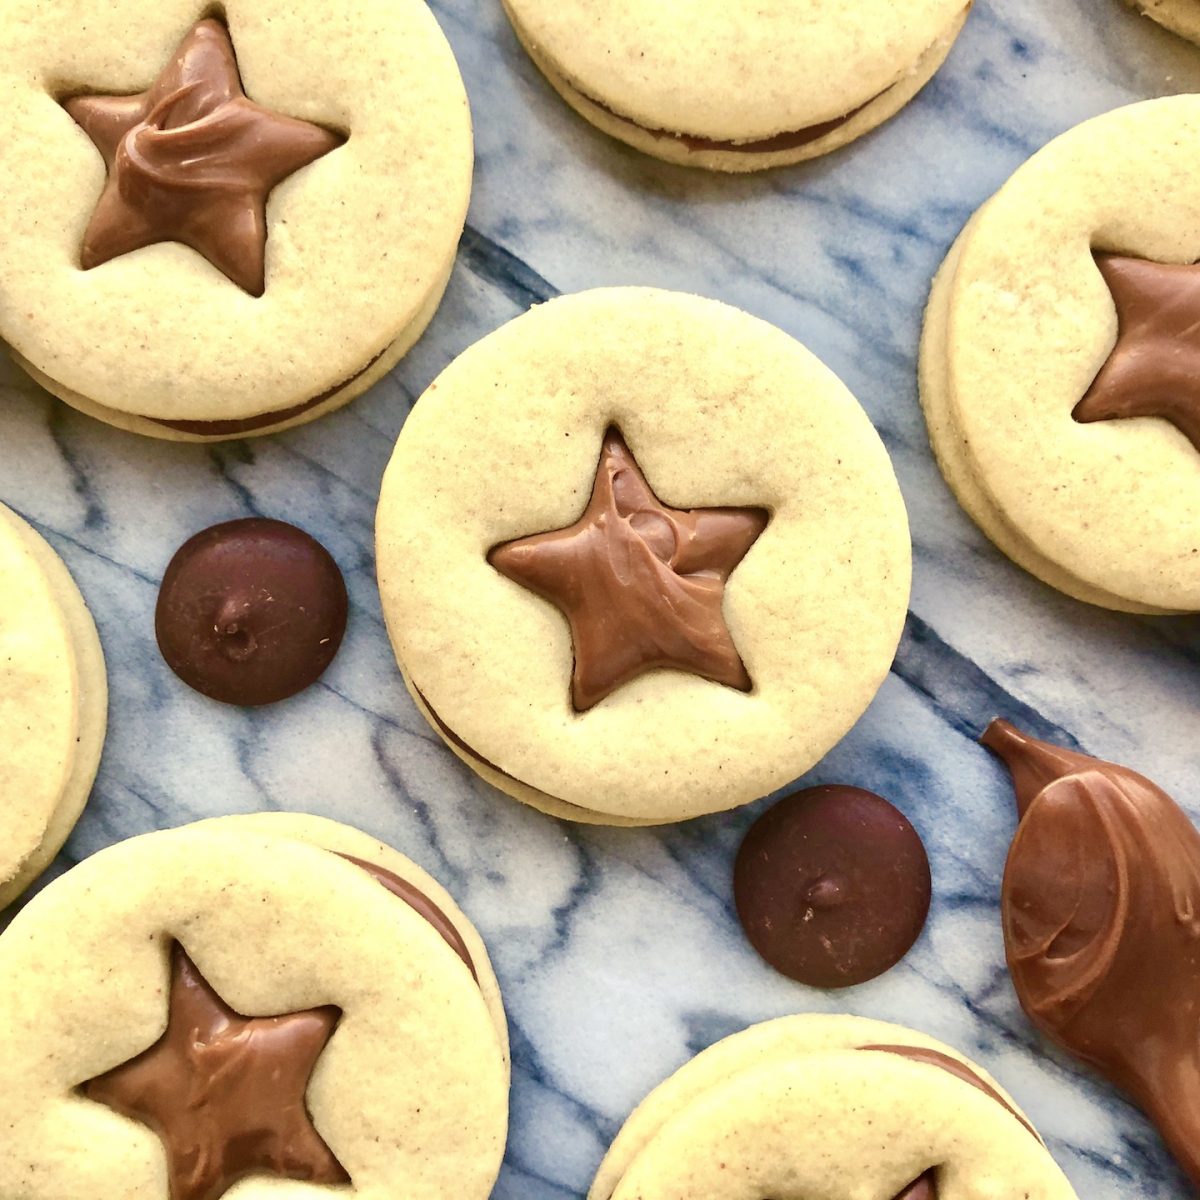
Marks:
<point>225,1093</point>
<point>193,160</point>
<point>1154,369</point>
<point>641,584</point>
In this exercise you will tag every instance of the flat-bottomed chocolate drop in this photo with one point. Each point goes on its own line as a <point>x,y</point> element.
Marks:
<point>832,886</point>
<point>251,611</point>
<point>1101,914</point>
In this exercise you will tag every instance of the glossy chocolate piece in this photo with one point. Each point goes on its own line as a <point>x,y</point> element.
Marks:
<point>832,886</point>
<point>421,904</point>
<point>251,611</point>
<point>225,1093</point>
<point>1101,915</point>
<point>1154,369</point>
<point>193,160</point>
<point>641,584</point>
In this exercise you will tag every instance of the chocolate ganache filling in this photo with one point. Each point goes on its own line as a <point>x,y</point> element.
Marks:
<point>788,140</point>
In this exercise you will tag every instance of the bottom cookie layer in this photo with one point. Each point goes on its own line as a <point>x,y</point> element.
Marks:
<point>1179,16</point>
<point>490,773</point>
<point>275,422</point>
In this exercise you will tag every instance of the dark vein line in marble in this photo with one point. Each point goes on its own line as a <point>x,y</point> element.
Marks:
<point>52,535</point>
<point>960,691</point>
<point>56,419</point>
<point>501,268</point>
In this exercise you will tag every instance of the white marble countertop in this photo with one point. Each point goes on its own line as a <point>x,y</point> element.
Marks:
<point>618,951</point>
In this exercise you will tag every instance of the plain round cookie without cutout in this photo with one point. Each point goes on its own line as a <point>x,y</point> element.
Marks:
<point>720,409</point>
<point>53,704</point>
<point>813,1106</point>
<point>411,1087</point>
<point>624,67</point>
<point>1019,324</point>
<point>360,244</point>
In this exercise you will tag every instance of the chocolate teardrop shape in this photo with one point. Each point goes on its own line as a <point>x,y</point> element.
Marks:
<point>1101,914</point>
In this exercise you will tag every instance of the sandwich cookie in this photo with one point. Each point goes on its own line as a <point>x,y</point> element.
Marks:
<point>1060,363</point>
<point>642,557</point>
<point>223,226</point>
<point>733,85</point>
<point>53,704</point>
<point>245,1002</point>
<point>829,1106</point>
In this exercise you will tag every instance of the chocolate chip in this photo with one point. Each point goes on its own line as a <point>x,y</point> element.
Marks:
<point>832,886</point>
<point>251,611</point>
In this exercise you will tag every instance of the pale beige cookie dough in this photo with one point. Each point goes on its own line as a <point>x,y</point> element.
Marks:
<point>803,1106</point>
<point>1180,16</point>
<point>53,704</point>
<point>1020,321</point>
<point>720,410</point>
<point>360,243</point>
<point>409,1093</point>
<point>737,85</point>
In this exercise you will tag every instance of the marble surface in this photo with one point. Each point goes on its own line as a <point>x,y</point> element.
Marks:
<point>618,951</point>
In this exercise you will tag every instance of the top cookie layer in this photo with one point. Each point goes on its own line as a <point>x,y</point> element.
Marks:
<point>356,241</point>
<point>733,70</point>
<point>720,410</point>
<point>1030,323</point>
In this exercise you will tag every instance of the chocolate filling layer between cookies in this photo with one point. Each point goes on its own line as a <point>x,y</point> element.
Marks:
<point>776,143</point>
<point>471,753</point>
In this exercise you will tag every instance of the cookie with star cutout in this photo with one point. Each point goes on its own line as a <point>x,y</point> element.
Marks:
<point>830,1106</point>
<point>248,1006</point>
<point>224,224</point>
<point>1060,362</point>
<point>642,557</point>
<point>53,704</point>
<point>736,85</point>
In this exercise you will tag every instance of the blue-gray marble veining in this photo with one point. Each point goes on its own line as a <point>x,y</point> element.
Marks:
<point>618,951</point>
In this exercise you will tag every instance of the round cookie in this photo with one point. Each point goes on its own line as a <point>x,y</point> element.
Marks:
<point>1056,357</point>
<point>830,1106</point>
<point>700,631</point>
<point>747,86</point>
<point>185,164</point>
<point>53,704</point>
<point>339,1033</point>
<point>1179,16</point>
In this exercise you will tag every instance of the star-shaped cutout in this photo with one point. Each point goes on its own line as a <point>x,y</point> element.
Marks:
<point>641,584</point>
<point>225,1093</point>
<point>1154,369</point>
<point>193,160</point>
<point>924,1188</point>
